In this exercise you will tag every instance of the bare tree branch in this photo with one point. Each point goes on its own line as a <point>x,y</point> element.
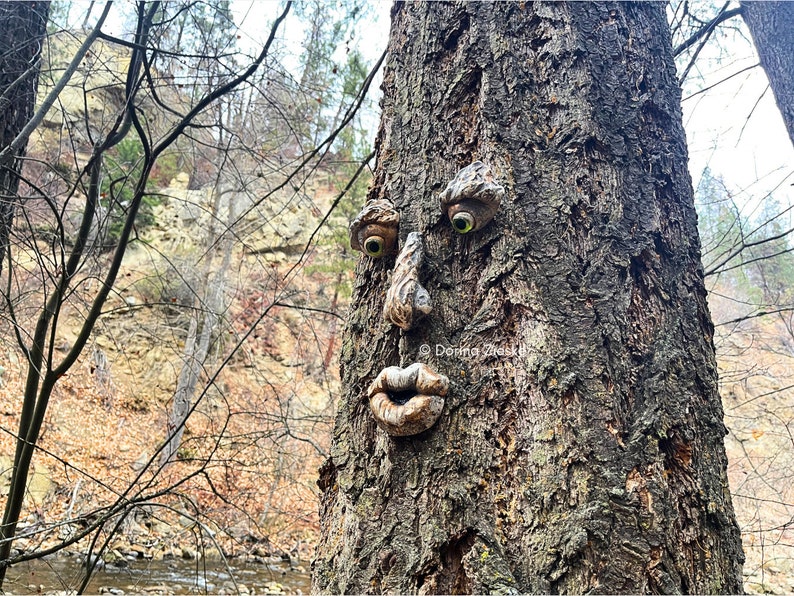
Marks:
<point>722,16</point>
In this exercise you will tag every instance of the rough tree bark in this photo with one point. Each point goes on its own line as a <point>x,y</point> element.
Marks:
<point>588,454</point>
<point>22,29</point>
<point>771,25</point>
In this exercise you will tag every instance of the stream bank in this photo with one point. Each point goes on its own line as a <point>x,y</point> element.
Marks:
<point>62,574</point>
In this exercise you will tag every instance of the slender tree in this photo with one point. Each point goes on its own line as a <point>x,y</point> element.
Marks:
<point>580,447</point>
<point>207,32</point>
<point>771,24</point>
<point>22,29</point>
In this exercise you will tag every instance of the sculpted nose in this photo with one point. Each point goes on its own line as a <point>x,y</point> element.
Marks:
<point>406,300</point>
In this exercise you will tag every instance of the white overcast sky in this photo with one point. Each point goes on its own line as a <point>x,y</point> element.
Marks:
<point>735,127</point>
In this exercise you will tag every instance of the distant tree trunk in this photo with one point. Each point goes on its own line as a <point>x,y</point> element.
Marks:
<point>22,29</point>
<point>587,455</point>
<point>771,25</point>
<point>204,323</point>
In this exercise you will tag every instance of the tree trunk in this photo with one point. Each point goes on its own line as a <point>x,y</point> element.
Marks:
<point>22,29</point>
<point>208,307</point>
<point>580,447</point>
<point>771,25</point>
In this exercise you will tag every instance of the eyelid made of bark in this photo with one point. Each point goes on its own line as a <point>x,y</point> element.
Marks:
<point>376,222</point>
<point>472,198</point>
<point>407,300</point>
<point>422,409</point>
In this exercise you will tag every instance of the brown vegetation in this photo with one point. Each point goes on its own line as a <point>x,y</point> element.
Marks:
<point>259,432</point>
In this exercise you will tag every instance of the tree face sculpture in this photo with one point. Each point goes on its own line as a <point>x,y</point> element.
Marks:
<point>580,443</point>
<point>407,402</point>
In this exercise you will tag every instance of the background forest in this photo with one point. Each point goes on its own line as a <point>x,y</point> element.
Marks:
<point>175,281</point>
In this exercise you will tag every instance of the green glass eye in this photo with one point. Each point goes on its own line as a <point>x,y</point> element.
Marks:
<point>463,222</point>
<point>374,246</point>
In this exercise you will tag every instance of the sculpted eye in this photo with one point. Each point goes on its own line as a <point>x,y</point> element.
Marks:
<point>374,231</point>
<point>463,222</point>
<point>472,198</point>
<point>374,246</point>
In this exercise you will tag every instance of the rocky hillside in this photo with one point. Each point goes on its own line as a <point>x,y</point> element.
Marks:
<point>263,405</point>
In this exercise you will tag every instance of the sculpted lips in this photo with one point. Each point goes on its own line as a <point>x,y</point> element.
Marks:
<point>407,401</point>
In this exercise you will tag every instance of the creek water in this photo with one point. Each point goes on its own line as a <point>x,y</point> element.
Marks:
<point>61,574</point>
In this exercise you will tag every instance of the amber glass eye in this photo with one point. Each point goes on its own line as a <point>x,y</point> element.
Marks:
<point>463,222</point>
<point>374,246</point>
